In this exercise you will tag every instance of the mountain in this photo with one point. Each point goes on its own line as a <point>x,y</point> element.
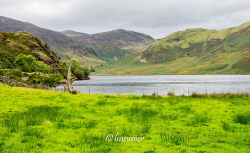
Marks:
<point>72,33</point>
<point>115,44</point>
<point>90,50</point>
<point>14,43</point>
<point>192,51</point>
<point>58,42</point>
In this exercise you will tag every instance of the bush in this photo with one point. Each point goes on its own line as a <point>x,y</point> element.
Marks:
<point>25,62</point>
<point>14,74</point>
<point>42,67</point>
<point>52,80</point>
<point>77,71</point>
<point>3,71</point>
<point>171,93</point>
<point>74,92</point>
<point>92,70</point>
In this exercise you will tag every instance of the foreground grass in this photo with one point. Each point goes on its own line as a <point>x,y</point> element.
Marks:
<point>39,121</point>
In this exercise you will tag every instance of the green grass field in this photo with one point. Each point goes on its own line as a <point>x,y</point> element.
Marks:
<point>38,121</point>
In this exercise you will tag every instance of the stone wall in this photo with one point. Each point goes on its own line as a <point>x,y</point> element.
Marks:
<point>11,82</point>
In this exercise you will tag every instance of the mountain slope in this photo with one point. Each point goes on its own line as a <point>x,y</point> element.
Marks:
<point>197,42</point>
<point>14,43</point>
<point>193,51</point>
<point>72,33</point>
<point>58,42</point>
<point>113,45</point>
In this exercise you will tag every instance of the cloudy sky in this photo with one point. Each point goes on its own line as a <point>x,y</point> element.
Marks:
<point>154,17</point>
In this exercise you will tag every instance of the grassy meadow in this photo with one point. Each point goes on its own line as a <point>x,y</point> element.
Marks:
<point>39,121</point>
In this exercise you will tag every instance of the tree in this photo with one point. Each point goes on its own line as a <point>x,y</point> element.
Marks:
<point>79,72</point>
<point>70,79</point>
<point>25,62</point>
<point>42,67</point>
<point>52,80</point>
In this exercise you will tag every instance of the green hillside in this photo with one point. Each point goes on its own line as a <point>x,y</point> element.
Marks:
<point>193,51</point>
<point>105,51</point>
<point>61,44</point>
<point>14,43</point>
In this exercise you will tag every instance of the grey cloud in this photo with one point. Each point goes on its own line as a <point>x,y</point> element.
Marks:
<point>155,17</point>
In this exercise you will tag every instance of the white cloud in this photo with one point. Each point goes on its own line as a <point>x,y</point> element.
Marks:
<point>155,17</point>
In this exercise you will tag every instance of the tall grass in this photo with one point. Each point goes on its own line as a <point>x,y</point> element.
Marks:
<point>242,118</point>
<point>221,95</point>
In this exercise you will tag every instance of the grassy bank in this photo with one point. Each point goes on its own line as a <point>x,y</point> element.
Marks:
<point>46,121</point>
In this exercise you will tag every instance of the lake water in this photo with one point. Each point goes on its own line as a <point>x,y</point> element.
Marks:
<point>147,84</point>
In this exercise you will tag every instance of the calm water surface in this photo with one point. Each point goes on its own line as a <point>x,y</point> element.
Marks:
<point>180,84</point>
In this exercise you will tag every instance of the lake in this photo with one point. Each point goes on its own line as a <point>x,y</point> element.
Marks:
<point>162,84</point>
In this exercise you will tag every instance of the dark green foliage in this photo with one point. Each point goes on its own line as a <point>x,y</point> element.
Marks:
<point>52,80</point>
<point>92,70</point>
<point>14,74</point>
<point>27,63</point>
<point>242,118</point>
<point>78,71</point>
<point>42,67</point>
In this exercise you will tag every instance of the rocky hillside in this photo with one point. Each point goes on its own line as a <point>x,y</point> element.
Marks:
<point>14,43</point>
<point>58,42</point>
<point>113,45</point>
<point>192,51</point>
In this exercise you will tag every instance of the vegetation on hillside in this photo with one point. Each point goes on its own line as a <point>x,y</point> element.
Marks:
<point>71,33</point>
<point>27,59</point>
<point>61,44</point>
<point>193,51</point>
<point>113,45</point>
<point>46,121</point>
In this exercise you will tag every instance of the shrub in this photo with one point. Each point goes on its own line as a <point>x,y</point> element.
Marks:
<point>92,70</point>
<point>14,74</point>
<point>25,62</point>
<point>171,93</point>
<point>52,80</point>
<point>79,72</point>
<point>74,92</point>
<point>3,71</point>
<point>42,67</point>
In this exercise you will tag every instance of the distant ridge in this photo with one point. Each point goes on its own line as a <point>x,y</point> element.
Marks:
<point>113,45</point>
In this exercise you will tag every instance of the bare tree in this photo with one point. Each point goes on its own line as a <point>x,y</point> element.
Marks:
<point>70,79</point>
